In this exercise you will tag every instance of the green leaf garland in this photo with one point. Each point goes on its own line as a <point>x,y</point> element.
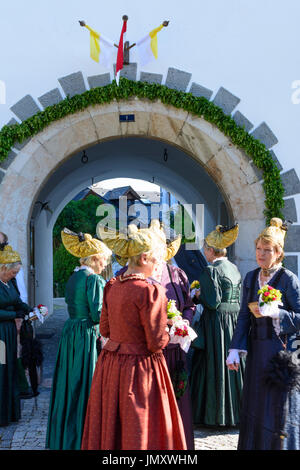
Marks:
<point>199,106</point>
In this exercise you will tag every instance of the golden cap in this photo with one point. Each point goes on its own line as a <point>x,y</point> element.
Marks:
<point>173,247</point>
<point>222,237</point>
<point>82,245</point>
<point>8,255</point>
<point>137,241</point>
<point>276,231</point>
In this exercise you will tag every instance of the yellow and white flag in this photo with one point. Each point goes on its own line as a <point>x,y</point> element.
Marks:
<point>100,48</point>
<point>147,46</point>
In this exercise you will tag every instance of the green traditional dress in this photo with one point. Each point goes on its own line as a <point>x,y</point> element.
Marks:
<point>10,302</point>
<point>76,360</point>
<point>215,390</point>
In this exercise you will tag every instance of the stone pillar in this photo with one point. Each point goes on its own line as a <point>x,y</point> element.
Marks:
<point>43,262</point>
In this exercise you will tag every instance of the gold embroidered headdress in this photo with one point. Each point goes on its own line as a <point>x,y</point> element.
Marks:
<point>8,255</point>
<point>275,232</point>
<point>82,245</point>
<point>137,241</point>
<point>222,237</point>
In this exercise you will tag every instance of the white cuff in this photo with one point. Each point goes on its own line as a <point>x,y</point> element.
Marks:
<point>233,357</point>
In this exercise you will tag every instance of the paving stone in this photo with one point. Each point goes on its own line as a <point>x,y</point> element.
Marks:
<point>226,100</point>
<point>265,135</point>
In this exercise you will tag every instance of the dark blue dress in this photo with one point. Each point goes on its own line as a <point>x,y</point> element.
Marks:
<point>268,411</point>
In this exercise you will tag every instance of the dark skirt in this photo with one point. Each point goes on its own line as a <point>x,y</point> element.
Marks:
<point>9,393</point>
<point>173,353</point>
<point>73,373</point>
<point>215,390</point>
<point>268,412</point>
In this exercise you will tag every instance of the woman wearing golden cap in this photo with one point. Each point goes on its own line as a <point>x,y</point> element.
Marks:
<point>270,338</point>
<point>176,283</point>
<point>215,391</point>
<point>77,352</point>
<point>132,405</point>
<point>11,307</point>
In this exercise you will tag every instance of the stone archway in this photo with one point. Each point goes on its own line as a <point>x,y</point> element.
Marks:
<point>26,172</point>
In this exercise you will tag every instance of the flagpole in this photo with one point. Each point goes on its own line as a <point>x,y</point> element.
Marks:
<point>120,55</point>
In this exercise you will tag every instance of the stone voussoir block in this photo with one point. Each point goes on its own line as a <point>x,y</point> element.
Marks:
<point>2,174</point>
<point>226,100</point>
<point>151,77</point>
<point>291,182</point>
<point>289,210</point>
<point>128,71</point>
<point>9,159</point>
<point>73,84</point>
<point>99,80</point>
<point>265,135</point>
<point>242,121</point>
<point>292,242</point>
<point>291,263</point>
<point>177,79</point>
<point>50,98</point>
<point>275,160</point>
<point>25,108</point>
<point>199,90</point>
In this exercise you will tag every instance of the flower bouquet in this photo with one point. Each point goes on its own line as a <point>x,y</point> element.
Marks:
<point>180,332</point>
<point>39,313</point>
<point>194,288</point>
<point>269,301</point>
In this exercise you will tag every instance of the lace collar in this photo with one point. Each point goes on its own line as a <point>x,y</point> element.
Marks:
<point>88,268</point>
<point>221,258</point>
<point>271,273</point>
<point>125,277</point>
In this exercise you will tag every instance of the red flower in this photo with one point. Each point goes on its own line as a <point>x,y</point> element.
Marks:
<point>266,294</point>
<point>181,384</point>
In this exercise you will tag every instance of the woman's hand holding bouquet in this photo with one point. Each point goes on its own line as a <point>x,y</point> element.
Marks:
<point>180,332</point>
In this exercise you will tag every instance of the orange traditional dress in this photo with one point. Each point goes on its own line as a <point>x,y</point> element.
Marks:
<point>132,405</point>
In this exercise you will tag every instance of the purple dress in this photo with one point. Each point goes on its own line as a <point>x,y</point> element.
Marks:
<point>176,283</point>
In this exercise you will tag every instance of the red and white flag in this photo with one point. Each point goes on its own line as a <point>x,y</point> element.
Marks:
<point>120,56</point>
